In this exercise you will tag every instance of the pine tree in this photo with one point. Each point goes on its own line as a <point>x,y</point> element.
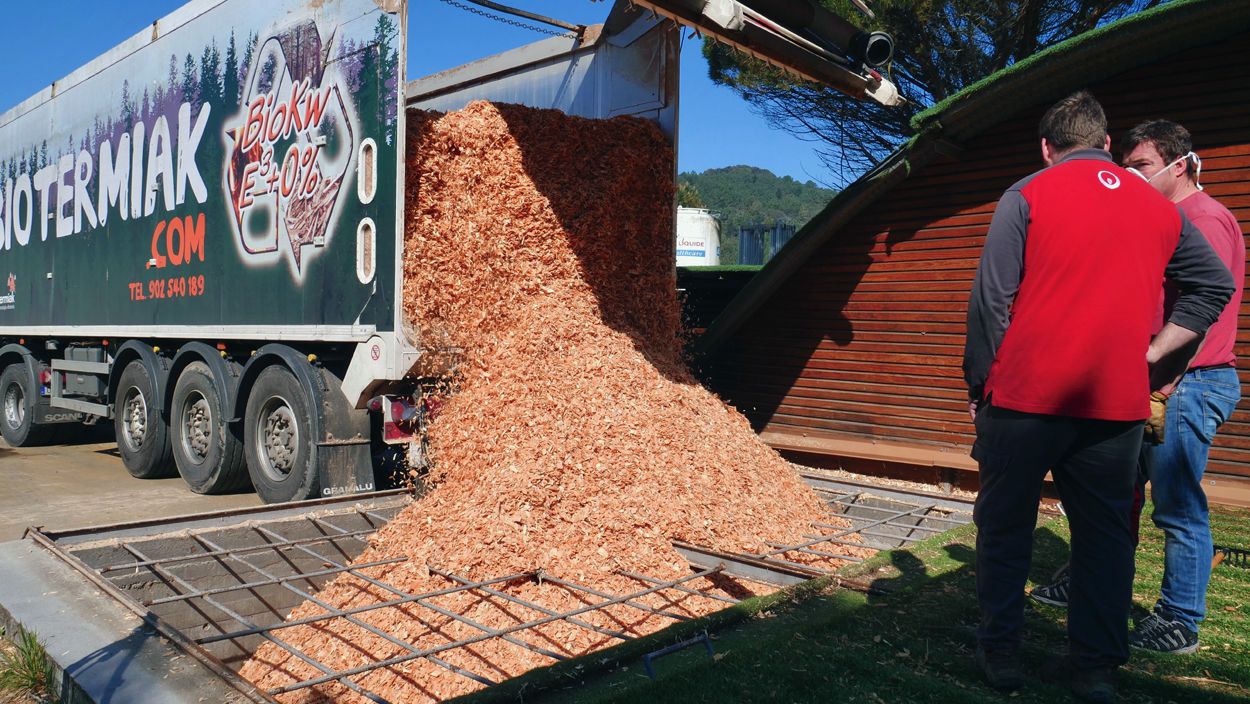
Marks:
<point>127,111</point>
<point>249,51</point>
<point>190,87</point>
<point>230,74</point>
<point>367,82</point>
<point>111,127</point>
<point>171,83</point>
<point>267,70</point>
<point>384,37</point>
<point>158,99</point>
<point>210,74</point>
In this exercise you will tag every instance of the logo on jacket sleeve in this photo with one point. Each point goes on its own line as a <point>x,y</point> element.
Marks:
<point>1108,179</point>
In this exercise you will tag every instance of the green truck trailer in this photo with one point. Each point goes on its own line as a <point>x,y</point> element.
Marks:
<point>201,230</point>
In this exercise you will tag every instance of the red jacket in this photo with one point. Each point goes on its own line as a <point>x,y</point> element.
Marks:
<point>1066,292</point>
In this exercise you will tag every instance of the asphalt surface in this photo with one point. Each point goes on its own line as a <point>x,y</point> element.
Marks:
<point>81,482</point>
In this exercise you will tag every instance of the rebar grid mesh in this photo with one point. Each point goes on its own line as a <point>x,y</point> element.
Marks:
<point>613,618</point>
<point>230,591</point>
<point>263,557</point>
<point>878,523</point>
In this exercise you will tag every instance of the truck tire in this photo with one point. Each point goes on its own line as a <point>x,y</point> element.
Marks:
<point>17,409</point>
<point>142,435</point>
<point>207,451</point>
<point>278,435</point>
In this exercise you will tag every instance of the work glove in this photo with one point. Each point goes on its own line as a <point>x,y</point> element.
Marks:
<point>1158,413</point>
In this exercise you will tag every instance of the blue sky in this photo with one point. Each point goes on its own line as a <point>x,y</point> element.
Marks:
<point>716,127</point>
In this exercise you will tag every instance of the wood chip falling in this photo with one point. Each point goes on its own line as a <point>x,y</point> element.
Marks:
<point>577,442</point>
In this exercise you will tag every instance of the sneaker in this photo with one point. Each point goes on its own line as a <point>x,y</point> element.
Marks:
<point>1163,634</point>
<point>1091,685</point>
<point>1055,593</point>
<point>1001,669</point>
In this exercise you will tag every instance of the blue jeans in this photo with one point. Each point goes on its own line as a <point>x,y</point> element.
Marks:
<point>1203,400</point>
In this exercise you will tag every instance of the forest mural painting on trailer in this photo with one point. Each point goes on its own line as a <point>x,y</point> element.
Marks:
<point>190,189</point>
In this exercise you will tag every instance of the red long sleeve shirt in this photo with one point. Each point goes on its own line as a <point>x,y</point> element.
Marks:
<point>1066,293</point>
<point>1220,228</point>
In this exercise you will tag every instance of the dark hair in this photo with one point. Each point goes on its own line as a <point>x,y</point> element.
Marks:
<point>1074,122</point>
<point>1169,139</point>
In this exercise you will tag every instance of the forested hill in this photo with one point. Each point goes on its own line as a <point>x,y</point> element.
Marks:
<point>745,195</point>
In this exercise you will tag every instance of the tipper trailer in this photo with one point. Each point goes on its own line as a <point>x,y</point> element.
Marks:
<point>201,231</point>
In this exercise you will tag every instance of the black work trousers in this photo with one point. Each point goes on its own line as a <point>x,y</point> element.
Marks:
<point>1094,464</point>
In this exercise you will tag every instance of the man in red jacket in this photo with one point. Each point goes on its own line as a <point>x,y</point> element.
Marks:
<point>1058,361</point>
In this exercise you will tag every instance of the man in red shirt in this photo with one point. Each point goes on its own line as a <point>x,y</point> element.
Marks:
<point>1205,397</point>
<point>1058,361</point>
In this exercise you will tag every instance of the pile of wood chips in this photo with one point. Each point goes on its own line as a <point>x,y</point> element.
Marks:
<point>577,442</point>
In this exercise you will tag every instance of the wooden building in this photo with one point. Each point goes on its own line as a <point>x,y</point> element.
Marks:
<point>849,343</point>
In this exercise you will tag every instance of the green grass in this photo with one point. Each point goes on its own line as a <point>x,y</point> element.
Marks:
<point>25,668</point>
<point>821,644</point>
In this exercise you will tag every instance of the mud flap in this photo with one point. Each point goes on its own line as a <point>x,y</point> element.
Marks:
<point>345,468</point>
<point>344,460</point>
<point>45,414</point>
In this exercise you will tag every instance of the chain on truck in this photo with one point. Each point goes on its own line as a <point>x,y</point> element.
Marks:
<point>201,231</point>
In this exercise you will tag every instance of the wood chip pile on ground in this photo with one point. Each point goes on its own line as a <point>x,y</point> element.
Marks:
<point>576,442</point>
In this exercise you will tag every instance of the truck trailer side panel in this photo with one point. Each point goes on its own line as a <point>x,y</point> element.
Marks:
<point>234,168</point>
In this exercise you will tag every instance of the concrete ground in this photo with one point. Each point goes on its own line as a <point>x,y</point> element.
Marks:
<point>81,482</point>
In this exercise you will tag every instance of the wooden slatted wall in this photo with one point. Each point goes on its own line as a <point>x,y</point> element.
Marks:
<point>866,340</point>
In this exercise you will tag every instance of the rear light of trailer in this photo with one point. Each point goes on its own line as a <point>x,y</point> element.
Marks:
<point>401,418</point>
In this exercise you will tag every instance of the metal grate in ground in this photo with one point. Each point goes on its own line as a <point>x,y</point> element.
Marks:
<point>522,633</point>
<point>881,518</point>
<point>221,585</point>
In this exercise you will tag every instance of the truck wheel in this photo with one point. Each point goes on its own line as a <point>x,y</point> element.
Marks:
<point>17,409</point>
<point>208,455</point>
<point>142,436</point>
<point>278,435</point>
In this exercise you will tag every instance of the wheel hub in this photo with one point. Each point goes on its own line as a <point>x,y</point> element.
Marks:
<point>279,435</point>
<point>134,419</point>
<point>14,406</point>
<point>197,427</point>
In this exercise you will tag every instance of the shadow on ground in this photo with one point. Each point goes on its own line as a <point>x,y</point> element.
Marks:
<point>912,641</point>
